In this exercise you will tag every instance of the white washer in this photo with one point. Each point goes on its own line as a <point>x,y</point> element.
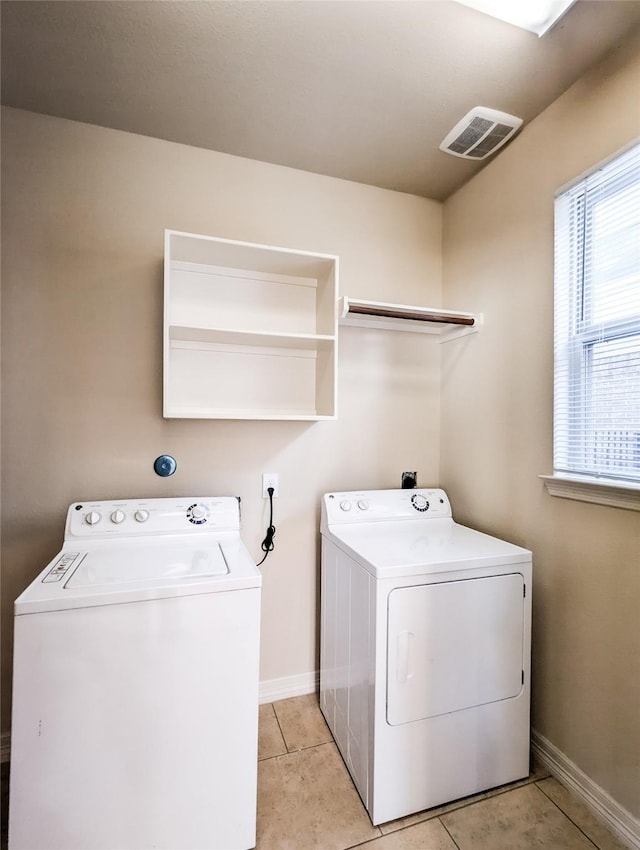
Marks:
<point>135,685</point>
<point>425,650</point>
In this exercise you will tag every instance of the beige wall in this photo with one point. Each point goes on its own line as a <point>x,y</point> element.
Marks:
<point>83,213</point>
<point>84,210</point>
<point>497,428</point>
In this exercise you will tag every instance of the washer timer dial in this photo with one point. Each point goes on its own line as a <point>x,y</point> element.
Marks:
<point>197,514</point>
<point>420,502</point>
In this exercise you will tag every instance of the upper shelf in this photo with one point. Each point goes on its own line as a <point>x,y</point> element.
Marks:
<point>447,324</point>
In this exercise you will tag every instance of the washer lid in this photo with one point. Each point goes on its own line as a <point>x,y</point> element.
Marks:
<point>136,570</point>
<point>403,548</point>
<point>151,565</point>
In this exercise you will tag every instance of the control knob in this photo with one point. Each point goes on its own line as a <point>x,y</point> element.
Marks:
<point>197,514</point>
<point>141,515</point>
<point>345,505</point>
<point>420,502</point>
<point>117,517</point>
<point>92,518</point>
<point>363,504</point>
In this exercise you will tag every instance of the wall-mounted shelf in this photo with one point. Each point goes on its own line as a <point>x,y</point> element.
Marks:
<point>447,324</point>
<point>249,330</point>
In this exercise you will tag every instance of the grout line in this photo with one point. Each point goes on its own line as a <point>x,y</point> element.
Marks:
<point>297,749</point>
<point>458,805</point>
<point>367,842</point>
<point>293,752</point>
<point>310,746</point>
<point>506,789</point>
<point>444,826</point>
<point>567,816</point>
<point>284,740</point>
<point>266,758</point>
<point>434,816</point>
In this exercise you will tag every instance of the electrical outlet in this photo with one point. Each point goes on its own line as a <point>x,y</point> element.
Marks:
<point>269,479</point>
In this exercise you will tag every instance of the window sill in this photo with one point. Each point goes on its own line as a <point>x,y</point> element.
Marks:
<point>600,491</point>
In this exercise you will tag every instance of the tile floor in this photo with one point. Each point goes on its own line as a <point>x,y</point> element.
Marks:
<point>306,801</point>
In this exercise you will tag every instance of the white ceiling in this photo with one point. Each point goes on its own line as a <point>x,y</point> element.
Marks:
<point>360,89</point>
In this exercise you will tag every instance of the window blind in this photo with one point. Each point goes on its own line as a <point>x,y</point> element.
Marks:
<point>597,323</point>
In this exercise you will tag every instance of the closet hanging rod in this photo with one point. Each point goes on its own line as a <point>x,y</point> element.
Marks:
<point>388,311</point>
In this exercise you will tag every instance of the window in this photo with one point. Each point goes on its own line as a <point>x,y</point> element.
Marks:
<point>597,325</point>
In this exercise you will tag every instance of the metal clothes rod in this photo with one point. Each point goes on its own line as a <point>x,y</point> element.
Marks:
<point>391,313</point>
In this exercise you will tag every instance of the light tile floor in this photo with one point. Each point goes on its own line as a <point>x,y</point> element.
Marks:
<point>306,801</point>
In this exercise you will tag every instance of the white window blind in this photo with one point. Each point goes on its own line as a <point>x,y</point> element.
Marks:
<point>597,323</point>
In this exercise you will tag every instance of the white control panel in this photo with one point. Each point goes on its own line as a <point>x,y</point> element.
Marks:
<point>129,517</point>
<point>378,505</point>
<point>62,566</point>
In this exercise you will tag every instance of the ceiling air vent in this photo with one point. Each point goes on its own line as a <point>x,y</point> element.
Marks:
<point>480,133</point>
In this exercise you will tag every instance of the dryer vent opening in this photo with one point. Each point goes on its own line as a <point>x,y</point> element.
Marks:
<point>480,133</point>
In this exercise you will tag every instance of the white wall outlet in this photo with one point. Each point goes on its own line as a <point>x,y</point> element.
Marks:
<point>269,479</point>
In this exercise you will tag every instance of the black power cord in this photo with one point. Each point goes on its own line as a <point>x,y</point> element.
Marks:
<point>267,544</point>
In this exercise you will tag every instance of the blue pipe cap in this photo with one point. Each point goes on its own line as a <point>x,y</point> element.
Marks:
<point>165,465</point>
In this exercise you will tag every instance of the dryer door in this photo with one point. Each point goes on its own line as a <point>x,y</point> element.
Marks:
<point>454,645</point>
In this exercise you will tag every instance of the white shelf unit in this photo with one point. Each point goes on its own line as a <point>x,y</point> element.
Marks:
<point>447,324</point>
<point>250,331</point>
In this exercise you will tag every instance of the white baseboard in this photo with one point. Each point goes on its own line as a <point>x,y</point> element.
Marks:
<point>272,690</point>
<point>5,746</point>
<point>604,807</point>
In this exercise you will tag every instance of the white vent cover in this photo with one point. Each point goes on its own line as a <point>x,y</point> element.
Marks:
<point>480,133</point>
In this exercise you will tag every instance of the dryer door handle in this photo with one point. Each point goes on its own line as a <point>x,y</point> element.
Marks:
<point>405,659</point>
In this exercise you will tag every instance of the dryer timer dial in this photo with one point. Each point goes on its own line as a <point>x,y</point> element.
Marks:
<point>420,502</point>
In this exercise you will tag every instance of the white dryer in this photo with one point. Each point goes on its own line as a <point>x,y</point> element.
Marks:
<point>425,650</point>
<point>135,683</point>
